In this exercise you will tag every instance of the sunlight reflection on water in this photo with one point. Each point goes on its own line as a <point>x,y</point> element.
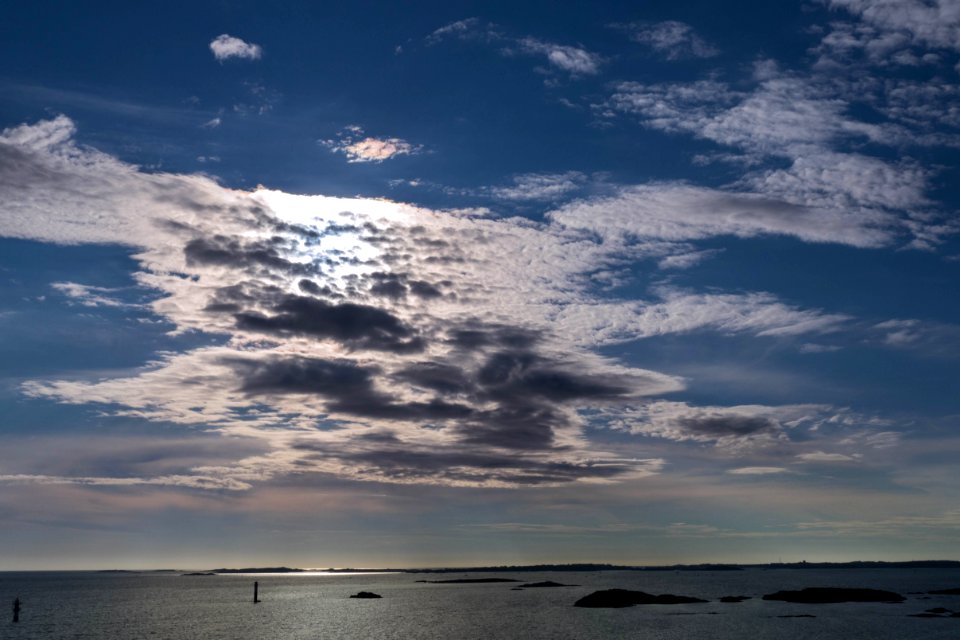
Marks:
<point>317,604</point>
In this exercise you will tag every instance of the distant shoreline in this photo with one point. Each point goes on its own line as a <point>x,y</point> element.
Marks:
<point>860,564</point>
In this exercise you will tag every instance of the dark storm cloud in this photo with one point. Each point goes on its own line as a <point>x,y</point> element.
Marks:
<point>399,285</point>
<point>477,336</point>
<point>348,388</point>
<point>229,252</point>
<point>311,287</point>
<point>332,379</point>
<point>355,325</point>
<point>522,375</point>
<point>524,425</point>
<point>722,426</point>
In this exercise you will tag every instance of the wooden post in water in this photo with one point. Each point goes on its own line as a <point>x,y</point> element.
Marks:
<point>256,586</point>
<point>16,610</point>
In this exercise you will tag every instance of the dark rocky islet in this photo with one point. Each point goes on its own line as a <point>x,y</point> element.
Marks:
<point>619,598</point>
<point>546,584</point>
<point>946,592</point>
<point>733,599</point>
<point>834,595</point>
<point>366,594</point>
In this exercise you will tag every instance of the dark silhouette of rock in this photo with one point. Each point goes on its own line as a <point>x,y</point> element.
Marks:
<point>199,573</point>
<point>825,595</point>
<point>366,594</point>
<point>469,581</point>
<point>946,592</point>
<point>937,610</point>
<point>548,583</point>
<point>734,598</point>
<point>618,598</point>
<point>516,588</point>
<point>925,615</point>
<point>798,615</point>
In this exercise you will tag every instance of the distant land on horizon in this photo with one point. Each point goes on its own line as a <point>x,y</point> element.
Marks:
<point>855,564</point>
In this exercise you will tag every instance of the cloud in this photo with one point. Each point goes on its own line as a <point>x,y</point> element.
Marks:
<point>460,28</point>
<point>672,39</point>
<point>90,296</point>
<point>540,186</point>
<point>679,212</point>
<point>190,481</point>
<point>377,341</point>
<point>352,324</point>
<point>358,148</point>
<point>225,47</point>
<point>574,60</point>
<point>794,134</point>
<point>820,456</point>
<point>732,427</point>
<point>888,27</point>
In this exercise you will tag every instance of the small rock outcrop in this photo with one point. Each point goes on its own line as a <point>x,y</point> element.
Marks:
<point>199,573</point>
<point>548,583</point>
<point>366,594</point>
<point>832,595</point>
<point>946,592</point>
<point>729,599</point>
<point>619,598</point>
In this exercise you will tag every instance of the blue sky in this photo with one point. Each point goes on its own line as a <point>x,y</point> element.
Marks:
<point>478,283</point>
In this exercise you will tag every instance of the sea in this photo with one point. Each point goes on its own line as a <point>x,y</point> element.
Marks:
<point>317,605</point>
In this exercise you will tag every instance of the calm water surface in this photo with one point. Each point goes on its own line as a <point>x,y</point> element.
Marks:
<point>102,606</point>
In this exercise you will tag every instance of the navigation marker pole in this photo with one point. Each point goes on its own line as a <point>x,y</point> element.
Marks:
<point>16,609</point>
<point>256,586</point>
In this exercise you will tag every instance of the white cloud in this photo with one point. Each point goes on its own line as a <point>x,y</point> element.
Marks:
<point>89,296</point>
<point>540,186</point>
<point>688,259</point>
<point>459,28</point>
<point>190,481</point>
<point>373,319</point>
<point>757,471</point>
<point>225,47</point>
<point>820,456</point>
<point>574,60</point>
<point>680,212</point>
<point>673,39</point>
<point>359,148</point>
<point>927,23</point>
<point>864,200</point>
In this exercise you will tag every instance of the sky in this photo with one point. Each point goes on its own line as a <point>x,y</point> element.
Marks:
<point>459,284</point>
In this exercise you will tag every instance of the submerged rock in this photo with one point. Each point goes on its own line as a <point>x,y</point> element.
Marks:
<point>829,595</point>
<point>734,598</point>
<point>618,598</point>
<point>548,583</point>
<point>366,594</point>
